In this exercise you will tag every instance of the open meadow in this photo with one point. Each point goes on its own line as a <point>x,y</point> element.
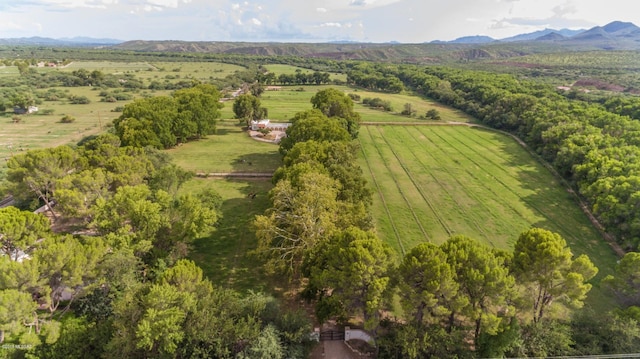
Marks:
<point>431,182</point>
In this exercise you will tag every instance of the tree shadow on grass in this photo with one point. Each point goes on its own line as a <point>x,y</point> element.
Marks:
<point>226,254</point>
<point>257,162</point>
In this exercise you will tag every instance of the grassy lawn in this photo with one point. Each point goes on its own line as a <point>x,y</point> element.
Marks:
<point>283,104</point>
<point>291,70</point>
<point>229,150</point>
<point>224,255</point>
<point>435,181</point>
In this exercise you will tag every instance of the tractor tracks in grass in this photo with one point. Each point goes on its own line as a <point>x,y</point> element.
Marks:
<point>502,183</point>
<point>384,203</point>
<point>443,187</point>
<point>413,181</point>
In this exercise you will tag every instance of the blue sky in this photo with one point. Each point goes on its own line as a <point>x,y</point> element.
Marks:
<point>409,21</point>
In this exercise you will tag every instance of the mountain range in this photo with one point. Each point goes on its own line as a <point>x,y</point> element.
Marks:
<point>616,35</point>
<point>613,31</point>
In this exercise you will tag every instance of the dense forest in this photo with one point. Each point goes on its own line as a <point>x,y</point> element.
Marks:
<point>112,278</point>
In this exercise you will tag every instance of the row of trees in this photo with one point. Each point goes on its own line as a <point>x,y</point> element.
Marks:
<point>165,121</point>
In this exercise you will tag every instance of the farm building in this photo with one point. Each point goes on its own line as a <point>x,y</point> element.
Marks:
<point>22,111</point>
<point>274,126</point>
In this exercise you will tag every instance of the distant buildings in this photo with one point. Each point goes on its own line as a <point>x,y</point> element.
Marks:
<point>267,124</point>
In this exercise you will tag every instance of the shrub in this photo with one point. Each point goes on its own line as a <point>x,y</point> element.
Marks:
<point>433,114</point>
<point>79,100</point>
<point>67,119</point>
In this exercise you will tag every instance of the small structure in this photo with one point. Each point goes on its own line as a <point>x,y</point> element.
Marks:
<point>267,124</point>
<point>273,88</point>
<point>25,111</point>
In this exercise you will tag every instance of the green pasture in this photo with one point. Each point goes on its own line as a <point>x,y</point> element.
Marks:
<point>38,130</point>
<point>285,103</point>
<point>431,182</point>
<point>8,71</point>
<point>229,150</point>
<point>279,69</point>
<point>107,67</point>
<point>225,254</point>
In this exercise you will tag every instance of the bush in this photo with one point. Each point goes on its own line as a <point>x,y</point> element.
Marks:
<point>79,100</point>
<point>433,114</point>
<point>16,119</point>
<point>67,119</point>
<point>47,111</point>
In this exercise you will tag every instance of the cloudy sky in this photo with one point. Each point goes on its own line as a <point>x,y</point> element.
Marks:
<point>409,21</point>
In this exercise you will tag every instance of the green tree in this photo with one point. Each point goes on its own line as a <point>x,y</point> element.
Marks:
<point>357,272</point>
<point>626,281</point>
<point>543,263</point>
<point>16,308</point>
<point>198,109</point>
<point>427,283</point>
<point>313,125</point>
<point>37,172</point>
<point>334,103</point>
<point>247,108</point>
<point>20,231</point>
<point>300,217</point>
<point>484,284</point>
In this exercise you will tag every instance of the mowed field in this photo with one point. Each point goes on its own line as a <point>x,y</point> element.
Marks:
<point>431,182</point>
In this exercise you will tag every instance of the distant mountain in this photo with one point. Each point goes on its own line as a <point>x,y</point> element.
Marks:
<point>46,41</point>
<point>91,40</point>
<point>478,39</point>
<point>613,30</point>
<point>552,36</point>
<point>536,35</point>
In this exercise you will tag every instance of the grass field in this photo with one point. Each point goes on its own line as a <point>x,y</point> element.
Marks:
<point>283,104</point>
<point>224,255</point>
<point>229,150</point>
<point>431,182</point>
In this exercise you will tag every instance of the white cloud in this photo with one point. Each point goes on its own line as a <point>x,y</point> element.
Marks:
<point>256,21</point>
<point>331,24</point>
<point>235,6</point>
<point>321,9</point>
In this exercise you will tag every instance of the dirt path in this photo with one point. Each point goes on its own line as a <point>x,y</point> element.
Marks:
<point>235,174</point>
<point>333,349</point>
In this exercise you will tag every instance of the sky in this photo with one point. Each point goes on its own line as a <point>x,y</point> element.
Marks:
<point>406,21</point>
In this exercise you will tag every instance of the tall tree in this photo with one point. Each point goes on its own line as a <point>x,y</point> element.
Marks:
<point>626,281</point>
<point>544,264</point>
<point>427,283</point>
<point>335,103</point>
<point>356,269</point>
<point>37,171</point>
<point>301,216</point>
<point>20,232</point>
<point>484,284</point>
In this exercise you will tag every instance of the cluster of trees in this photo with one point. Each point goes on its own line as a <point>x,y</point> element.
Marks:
<point>377,103</point>
<point>301,78</point>
<point>370,77</point>
<point>165,121</point>
<point>120,287</point>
